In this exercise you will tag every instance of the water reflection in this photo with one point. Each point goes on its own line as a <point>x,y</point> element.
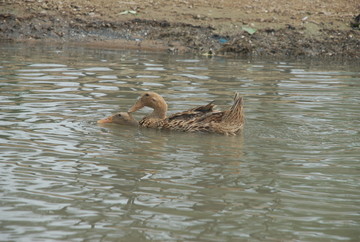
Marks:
<point>292,174</point>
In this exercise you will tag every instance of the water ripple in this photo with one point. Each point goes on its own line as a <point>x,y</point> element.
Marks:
<point>292,174</point>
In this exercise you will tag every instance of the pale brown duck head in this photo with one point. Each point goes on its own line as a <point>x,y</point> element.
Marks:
<point>120,118</point>
<point>151,100</point>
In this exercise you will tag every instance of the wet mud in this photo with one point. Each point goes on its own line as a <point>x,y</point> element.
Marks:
<point>246,28</point>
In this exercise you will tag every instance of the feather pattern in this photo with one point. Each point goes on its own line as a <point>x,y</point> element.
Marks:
<point>199,119</point>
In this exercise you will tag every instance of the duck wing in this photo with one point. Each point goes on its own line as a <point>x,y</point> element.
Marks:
<point>192,113</point>
<point>178,121</point>
<point>205,119</point>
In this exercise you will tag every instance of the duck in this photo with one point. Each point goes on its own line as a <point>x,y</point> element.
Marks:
<point>204,119</point>
<point>122,118</point>
<point>125,118</point>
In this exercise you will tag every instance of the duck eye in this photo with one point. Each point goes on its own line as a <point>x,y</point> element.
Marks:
<point>147,94</point>
<point>119,115</point>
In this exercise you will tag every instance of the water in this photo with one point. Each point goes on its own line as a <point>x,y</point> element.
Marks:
<point>292,175</point>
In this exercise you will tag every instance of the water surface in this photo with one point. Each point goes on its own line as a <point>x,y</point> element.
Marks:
<point>292,175</point>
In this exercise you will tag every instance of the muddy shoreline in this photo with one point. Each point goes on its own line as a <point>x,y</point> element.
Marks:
<point>199,27</point>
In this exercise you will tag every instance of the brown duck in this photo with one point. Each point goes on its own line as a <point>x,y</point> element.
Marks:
<point>125,118</point>
<point>120,118</point>
<point>200,119</point>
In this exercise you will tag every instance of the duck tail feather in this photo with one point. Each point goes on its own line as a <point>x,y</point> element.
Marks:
<point>238,102</point>
<point>236,112</point>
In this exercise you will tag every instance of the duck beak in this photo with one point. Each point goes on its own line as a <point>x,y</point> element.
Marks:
<point>138,105</point>
<point>105,120</point>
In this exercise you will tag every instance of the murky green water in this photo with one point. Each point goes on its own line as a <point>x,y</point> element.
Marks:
<point>293,174</point>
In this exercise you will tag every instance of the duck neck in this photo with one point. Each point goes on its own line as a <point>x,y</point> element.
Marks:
<point>159,111</point>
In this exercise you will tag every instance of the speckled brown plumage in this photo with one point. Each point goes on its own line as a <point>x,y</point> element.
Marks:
<point>200,119</point>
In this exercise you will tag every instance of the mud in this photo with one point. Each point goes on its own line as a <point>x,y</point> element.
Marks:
<point>244,27</point>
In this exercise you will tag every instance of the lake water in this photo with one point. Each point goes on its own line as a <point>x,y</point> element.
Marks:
<point>293,175</point>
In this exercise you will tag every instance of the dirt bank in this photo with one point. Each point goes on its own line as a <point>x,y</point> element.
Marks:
<point>243,27</point>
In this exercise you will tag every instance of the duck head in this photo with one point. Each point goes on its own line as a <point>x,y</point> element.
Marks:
<point>120,118</point>
<point>151,100</point>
